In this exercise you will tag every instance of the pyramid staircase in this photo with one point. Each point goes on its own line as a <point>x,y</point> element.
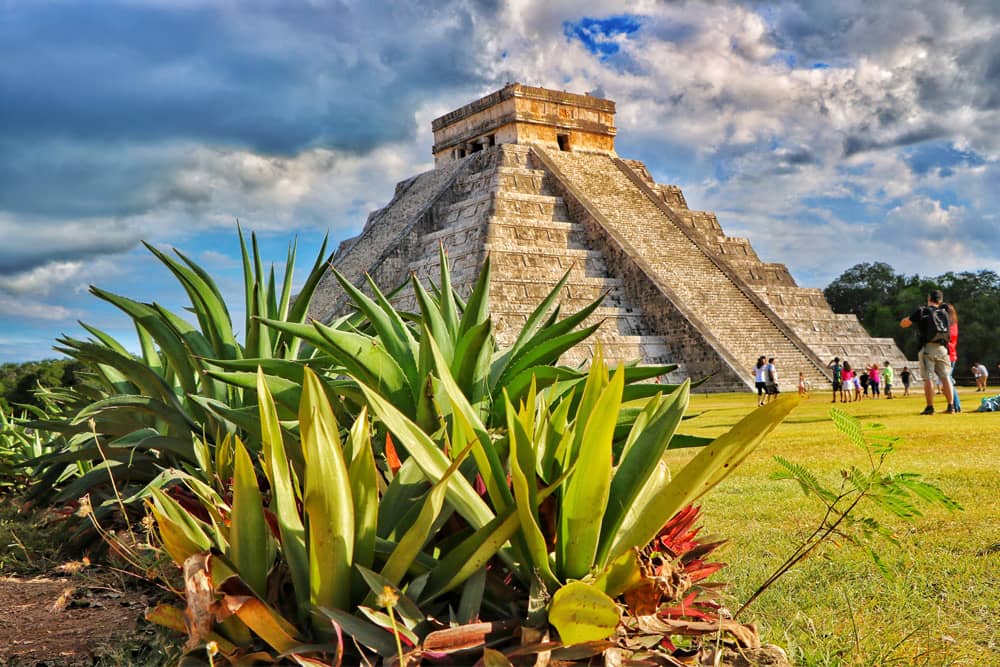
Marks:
<point>676,288</point>
<point>712,309</point>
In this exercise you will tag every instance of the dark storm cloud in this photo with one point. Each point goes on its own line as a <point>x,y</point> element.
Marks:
<point>100,104</point>
<point>347,77</point>
<point>859,143</point>
<point>33,243</point>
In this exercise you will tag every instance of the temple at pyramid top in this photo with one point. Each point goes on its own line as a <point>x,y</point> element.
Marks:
<point>529,178</point>
<point>519,114</point>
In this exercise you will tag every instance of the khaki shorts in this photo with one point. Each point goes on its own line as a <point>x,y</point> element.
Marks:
<point>934,361</point>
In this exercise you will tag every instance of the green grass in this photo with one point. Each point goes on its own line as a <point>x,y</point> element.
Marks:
<point>836,608</point>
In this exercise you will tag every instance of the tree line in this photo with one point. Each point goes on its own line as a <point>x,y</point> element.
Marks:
<point>18,382</point>
<point>880,298</point>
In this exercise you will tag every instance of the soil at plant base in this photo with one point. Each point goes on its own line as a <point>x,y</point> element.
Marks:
<point>65,620</point>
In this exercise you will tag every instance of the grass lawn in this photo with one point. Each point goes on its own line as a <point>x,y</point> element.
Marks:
<point>836,608</point>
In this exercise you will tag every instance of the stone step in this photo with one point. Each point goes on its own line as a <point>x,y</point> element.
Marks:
<point>527,238</point>
<point>533,206</point>
<point>613,321</point>
<point>546,263</point>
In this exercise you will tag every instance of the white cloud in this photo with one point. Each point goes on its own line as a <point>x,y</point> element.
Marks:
<point>28,308</point>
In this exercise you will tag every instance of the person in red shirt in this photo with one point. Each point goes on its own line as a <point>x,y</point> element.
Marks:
<point>953,353</point>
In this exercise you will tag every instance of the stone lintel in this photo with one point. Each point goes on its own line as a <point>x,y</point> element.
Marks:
<point>512,90</point>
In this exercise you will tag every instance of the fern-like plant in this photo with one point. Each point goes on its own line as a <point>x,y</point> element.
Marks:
<point>847,506</point>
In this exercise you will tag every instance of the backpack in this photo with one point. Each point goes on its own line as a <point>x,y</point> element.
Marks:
<point>936,325</point>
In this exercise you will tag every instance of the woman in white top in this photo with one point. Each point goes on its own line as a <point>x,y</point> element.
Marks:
<point>760,379</point>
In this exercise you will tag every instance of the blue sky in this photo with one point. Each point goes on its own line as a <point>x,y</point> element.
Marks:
<point>828,133</point>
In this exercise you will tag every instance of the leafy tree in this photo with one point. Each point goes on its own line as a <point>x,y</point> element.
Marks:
<point>19,382</point>
<point>862,287</point>
<point>880,297</point>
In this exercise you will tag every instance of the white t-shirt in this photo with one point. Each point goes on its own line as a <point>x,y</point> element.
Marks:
<point>980,371</point>
<point>760,373</point>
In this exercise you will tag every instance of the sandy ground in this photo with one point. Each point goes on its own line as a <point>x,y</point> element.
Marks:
<point>64,620</point>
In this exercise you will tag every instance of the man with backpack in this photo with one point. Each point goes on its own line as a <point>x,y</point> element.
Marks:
<point>933,332</point>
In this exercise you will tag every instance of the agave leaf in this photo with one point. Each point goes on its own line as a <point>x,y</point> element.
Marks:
<point>484,452</point>
<point>447,296</point>
<point>327,502</point>
<point>587,490</point>
<point>471,601</point>
<point>405,607</point>
<point>434,319</point>
<point>250,539</point>
<point>471,555</point>
<point>106,339</point>
<point>534,323</point>
<point>136,372</point>
<point>389,326</point>
<point>477,308</point>
<point>178,420</point>
<point>544,352</point>
<point>581,613</point>
<point>364,490</point>
<point>522,473</point>
<point>263,620</point>
<point>182,534</point>
<point>363,631</point>
<point>663,499</point>
<point>620,576</point>
<point>416,535</point>
<point>362,357</point>
<point>470,363</point>
<point>286,392</point>
<point>248,280</point>
<point>637,465</point>
<point>139,467</point>
<point>682,441</point>
<point>300,307</point>
<point>284,495</point>
<point>431,460</point>
<point>243,418</point>
<point>209,307</point>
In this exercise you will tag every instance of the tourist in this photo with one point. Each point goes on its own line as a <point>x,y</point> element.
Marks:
<point>771,381</point>
<point>904,377</point>
<point>837,379</point>
<point>803,387</point>
<point>981,374</point>
<point>874,378</point>
<point>847,382</point>
<point>888,375</point>
<point>863,380</point>
<point>759,379</point>
<point>953,354</point>
<point>933,327</point>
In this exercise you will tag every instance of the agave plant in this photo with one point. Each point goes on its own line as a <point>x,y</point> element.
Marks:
<point>321,522</point>
<point>137,415</point>
<point>21,444</point>
<point>344,532</point>
<point>391,352</point>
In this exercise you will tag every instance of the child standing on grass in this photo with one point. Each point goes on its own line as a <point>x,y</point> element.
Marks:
<point>887,377</point>
<point>847,383</point>
<point>803,390</point>
<point>905,377</point>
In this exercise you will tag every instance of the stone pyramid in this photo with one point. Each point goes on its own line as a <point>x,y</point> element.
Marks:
<point>530,177</point>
